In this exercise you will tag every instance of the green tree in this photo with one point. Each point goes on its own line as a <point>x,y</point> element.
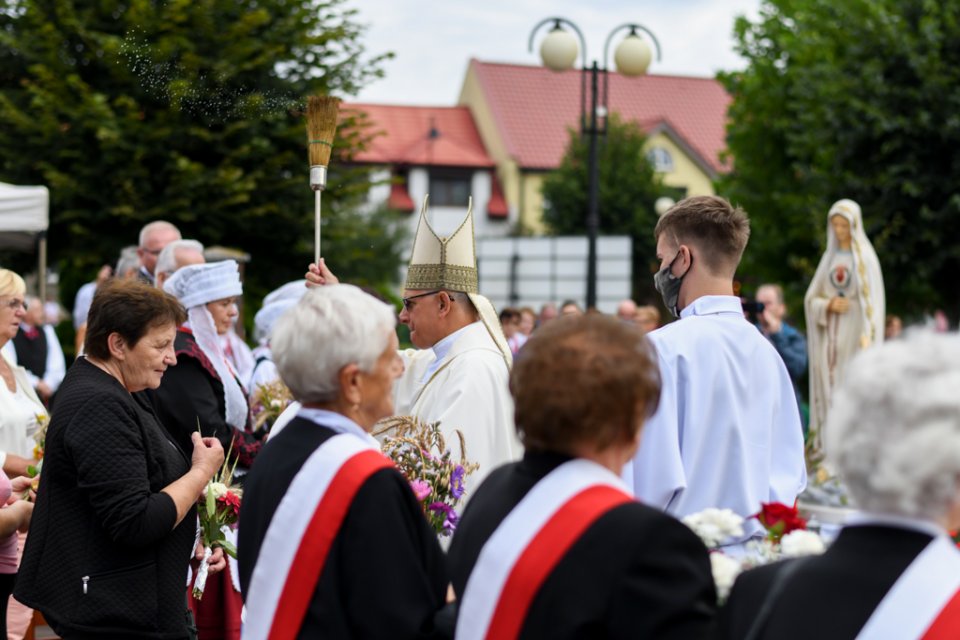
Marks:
<point>189,111</point>
<point>627,191</point>
<point>856,99</point>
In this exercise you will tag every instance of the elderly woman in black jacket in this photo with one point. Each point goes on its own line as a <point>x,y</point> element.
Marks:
<point>114,522</point>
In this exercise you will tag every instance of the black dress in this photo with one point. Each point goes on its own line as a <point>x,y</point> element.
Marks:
<point>191,394</point>
<point>634,573</point>
<point>103,558</point>
<point>828,597</point>
<point>384,576</point>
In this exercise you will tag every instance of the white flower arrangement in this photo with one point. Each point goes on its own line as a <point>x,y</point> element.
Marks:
<point>714,526</point>
<point>718,526</point>
<point>801,543</point>
<point>725,571</point>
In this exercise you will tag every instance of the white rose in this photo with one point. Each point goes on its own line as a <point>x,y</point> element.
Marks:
<point>801,543</point>
<point>725,571</point>
<point>218,489</point>
<point>759,552</point>
<point>714,526</point>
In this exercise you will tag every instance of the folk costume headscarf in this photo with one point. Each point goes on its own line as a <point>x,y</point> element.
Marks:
<point>834,338</point>
<point>275,304</point>
<point>451,264</point>
<point>195,286</point>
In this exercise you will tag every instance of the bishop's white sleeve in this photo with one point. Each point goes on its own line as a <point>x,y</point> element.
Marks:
<point>56,364</point>
<point>658,475</point>
<point>476,400</point>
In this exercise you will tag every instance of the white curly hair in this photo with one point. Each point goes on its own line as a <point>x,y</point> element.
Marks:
<point>330,327</point>
<point>893,432</point>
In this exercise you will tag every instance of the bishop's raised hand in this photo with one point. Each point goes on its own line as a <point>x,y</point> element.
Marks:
<point>319,274</point>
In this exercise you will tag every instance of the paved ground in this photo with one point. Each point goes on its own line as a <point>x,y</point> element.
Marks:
<point>41,631</point>
<point>44,633</point>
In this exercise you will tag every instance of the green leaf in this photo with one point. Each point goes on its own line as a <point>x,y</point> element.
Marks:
<point>211,504</point>
<point>228,548</point>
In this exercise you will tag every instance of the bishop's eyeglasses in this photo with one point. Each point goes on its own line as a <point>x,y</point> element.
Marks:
<point>408,302</point>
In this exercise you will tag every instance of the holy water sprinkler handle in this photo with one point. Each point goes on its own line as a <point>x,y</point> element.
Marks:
<point>318,178</point>
<point>322,115</point>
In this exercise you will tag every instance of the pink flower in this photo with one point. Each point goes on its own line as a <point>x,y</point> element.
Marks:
<point>421,489</point>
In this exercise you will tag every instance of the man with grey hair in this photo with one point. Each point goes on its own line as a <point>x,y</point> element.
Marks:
<point>153,238</point>
<point>458,375</point>
<point>175,255</point>
<point>893,572</point>
<point>128,264</point>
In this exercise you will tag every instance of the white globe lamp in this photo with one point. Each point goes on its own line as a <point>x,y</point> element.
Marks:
<point>633,56</point>
<point>662,205</point>
<point>559,49</point>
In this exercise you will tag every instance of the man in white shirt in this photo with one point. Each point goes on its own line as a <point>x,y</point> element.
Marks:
<point>727,431</point>
<point>37,349</point>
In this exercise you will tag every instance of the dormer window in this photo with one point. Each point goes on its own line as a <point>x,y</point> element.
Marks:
<point>450,187</point>
<point>661,160</point>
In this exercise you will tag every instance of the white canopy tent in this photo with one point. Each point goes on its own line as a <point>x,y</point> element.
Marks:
<point>24,218</point>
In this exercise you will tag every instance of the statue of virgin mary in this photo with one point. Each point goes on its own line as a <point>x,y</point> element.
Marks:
<point>844,307</point>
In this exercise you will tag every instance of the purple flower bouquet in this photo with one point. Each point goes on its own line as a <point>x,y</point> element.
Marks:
<point>420,453</point>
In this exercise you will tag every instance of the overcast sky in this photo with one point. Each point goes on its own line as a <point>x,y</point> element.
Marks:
<point>434,40</point>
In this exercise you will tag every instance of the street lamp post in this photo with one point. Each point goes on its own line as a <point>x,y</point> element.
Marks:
<point>632,56</point>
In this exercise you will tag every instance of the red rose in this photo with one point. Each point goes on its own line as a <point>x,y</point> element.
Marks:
<point>231,500</point>
<point>779,519</point>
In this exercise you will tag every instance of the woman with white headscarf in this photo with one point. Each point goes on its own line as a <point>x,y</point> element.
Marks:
<point>203,390</point>
<point>275,304</point>
<point>844,306</point>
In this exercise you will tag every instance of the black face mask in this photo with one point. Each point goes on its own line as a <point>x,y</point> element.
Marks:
<point>669,285</point>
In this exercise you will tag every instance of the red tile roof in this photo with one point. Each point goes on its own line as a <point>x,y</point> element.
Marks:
<point>533,108</point>
<point>403,136</point>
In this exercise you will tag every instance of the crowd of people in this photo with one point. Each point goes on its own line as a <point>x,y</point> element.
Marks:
<point>594,435</point>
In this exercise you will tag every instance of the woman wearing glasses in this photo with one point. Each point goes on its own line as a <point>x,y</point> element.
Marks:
<point>20,409</point>
<point>19,404</point>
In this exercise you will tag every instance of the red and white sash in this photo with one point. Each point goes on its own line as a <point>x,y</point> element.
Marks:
<point>924,602</point>
<point>304,526</point>
<point>528,544</point>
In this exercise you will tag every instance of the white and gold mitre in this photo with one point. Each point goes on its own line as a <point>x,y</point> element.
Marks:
<point>451,263</point>
<point>443,263</point>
